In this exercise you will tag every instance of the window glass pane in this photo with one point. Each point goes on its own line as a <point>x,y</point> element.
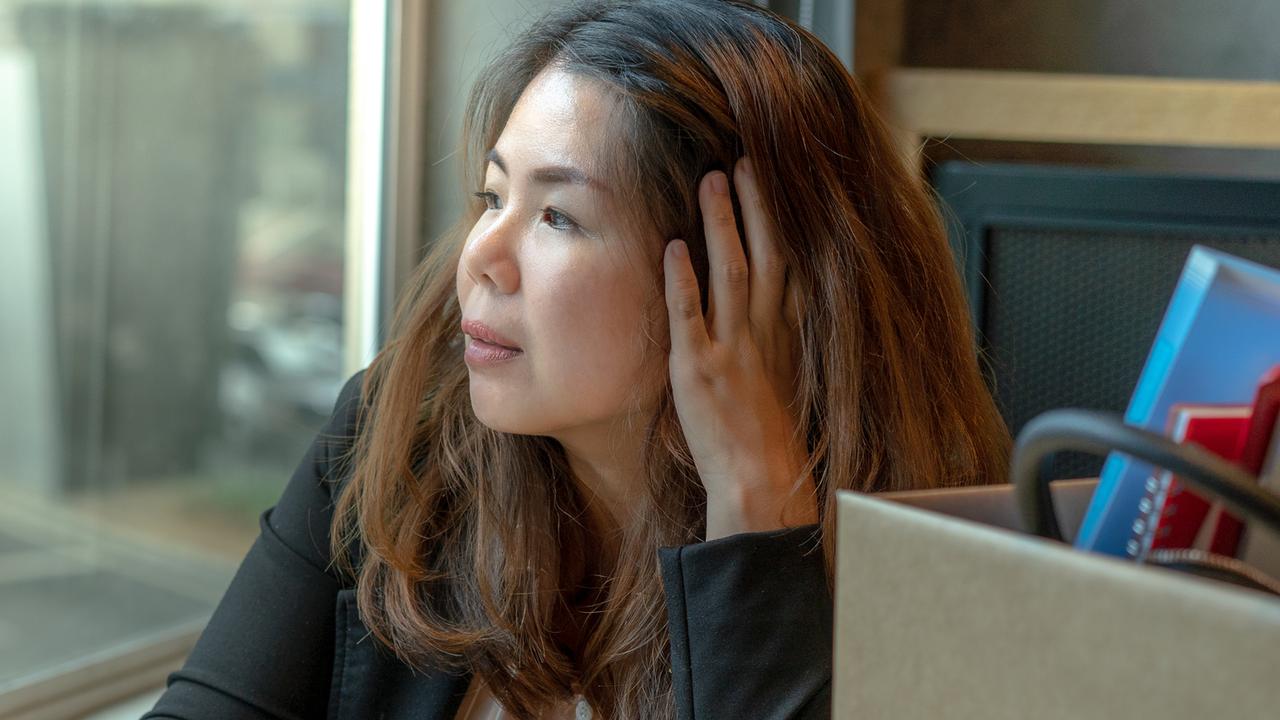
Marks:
<point>171,231</point>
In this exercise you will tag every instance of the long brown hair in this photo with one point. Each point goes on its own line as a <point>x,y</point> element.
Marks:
<point>469,556</point>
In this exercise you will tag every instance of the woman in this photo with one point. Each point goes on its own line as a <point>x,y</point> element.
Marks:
<point>594,468</point>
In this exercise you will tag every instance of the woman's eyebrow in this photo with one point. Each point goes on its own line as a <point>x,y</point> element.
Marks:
<point>550,174</point>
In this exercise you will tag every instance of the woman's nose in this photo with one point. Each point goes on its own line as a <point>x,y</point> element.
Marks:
<point>490,256</point>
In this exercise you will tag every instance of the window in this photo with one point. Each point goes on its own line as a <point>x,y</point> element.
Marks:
<point>175,204</point>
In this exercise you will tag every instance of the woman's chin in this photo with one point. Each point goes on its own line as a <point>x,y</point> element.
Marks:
<point>495,416</point>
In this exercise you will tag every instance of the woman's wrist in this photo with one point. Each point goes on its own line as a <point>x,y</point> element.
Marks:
<point>757,507</point>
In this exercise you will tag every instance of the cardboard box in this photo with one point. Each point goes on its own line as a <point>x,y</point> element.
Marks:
<point>942,617</point>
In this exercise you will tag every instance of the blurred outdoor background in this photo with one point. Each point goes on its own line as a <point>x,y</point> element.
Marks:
<point>173,179</point>
<point>173,335</point>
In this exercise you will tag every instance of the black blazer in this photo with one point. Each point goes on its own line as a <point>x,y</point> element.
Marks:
<point>749,615</point>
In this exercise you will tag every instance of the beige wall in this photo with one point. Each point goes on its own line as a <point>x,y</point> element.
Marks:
<point>1179,38</point>
<point>1168,38</point>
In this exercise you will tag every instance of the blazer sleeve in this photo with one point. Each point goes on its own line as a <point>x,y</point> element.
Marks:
<point>750,621</point>
<point>268,649</point>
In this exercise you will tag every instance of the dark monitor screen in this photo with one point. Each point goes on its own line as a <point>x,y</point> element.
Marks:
<point>1069,270</point>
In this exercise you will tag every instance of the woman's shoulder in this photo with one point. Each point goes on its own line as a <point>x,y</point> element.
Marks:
<point>336,440</point>
<point>295,531</point>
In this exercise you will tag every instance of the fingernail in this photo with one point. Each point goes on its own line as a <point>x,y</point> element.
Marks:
<point>719,183</point>
<point>679,250</point>
<point>746,165</point>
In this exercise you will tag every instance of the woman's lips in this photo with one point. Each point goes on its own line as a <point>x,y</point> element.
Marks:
<point>479,352</point>
<point>480,331</point>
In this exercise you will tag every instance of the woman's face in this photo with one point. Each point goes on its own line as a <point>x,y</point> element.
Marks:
<point>552,267</point>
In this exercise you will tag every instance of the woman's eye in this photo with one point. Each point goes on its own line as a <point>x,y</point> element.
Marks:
<point>490,199</point>
<point>557,219</point>
<point>550,216</point>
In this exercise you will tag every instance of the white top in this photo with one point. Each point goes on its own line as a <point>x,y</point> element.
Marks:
<point>480,704</point>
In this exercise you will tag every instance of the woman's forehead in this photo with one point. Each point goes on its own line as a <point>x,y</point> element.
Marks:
<point>560,120</point>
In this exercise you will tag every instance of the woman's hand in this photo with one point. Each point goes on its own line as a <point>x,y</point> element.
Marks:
<point>733,373</point>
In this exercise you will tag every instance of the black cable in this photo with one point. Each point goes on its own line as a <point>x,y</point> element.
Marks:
<point>1100,433</point>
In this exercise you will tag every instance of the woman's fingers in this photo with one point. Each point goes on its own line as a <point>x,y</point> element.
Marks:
<point>768,266</point>
<point>728,273</point>
<point>744,295</point>
<point>684,303</point>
